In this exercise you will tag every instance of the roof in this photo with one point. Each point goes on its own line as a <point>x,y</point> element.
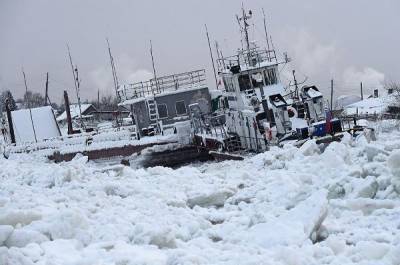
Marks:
<point>312,91</point>
<point>74,109</point>
<point>44,124</point>
<point>369,106</point>
<point>346,100</point>
<point>162,94</point>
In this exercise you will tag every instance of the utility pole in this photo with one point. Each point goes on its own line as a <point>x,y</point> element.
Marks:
<point>10,121</point>
<point>68,112</point>
<point>46,94</point>
<point>98,98</point>
<point>331,94</point>
<point>29,107</point>
<point>212,58</point>
<point>362,94</point>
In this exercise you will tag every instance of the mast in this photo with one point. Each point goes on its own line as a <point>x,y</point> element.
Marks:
<point>221,63</point>
<point>29,107</point>
<point>273,48</point>
<point>77,84</point>
<point>244,18</point>
<point>296,94</point>
<point>113,69</point>
<point>266,36</point>
<point>246,25</point>
<point>154,68</point>
<point>212,58</point>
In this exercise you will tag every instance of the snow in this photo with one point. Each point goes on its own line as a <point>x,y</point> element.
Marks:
<point>335,204</point>
<point>370,105</point>
<point>44,124</point>
<point>312,93</point>
<point>74,110</point>
<point>345,100</point>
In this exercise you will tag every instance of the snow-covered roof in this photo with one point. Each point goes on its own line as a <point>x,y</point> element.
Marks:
<point>346,100</point>
<point>74,109</point>
<point>312,93</point>
<point>162,94</point>
<point>44,124</point>
<point>369,106</point>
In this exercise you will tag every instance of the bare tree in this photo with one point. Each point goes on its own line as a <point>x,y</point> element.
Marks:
<point>33,100</point>
<point>106,103</point>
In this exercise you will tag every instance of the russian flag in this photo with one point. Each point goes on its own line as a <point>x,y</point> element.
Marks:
<point>328,125</point>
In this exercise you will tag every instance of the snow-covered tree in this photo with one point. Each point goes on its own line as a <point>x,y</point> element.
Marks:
<point>393,88</point>
<point>7,95</point>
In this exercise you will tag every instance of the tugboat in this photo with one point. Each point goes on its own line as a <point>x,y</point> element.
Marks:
<point>256,111</point>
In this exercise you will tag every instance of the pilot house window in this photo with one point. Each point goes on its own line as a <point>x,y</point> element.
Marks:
<point>228,84</point>
<point>162,111</point>
<point>180,107</point>
<point>244,82</point>
<point>270,77</point>
<point>257,80</point>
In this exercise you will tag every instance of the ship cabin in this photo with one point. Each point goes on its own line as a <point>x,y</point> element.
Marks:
<point>314,103</point>
<point>251,80</point>
<point>159,103</point>
<point>249,77</point>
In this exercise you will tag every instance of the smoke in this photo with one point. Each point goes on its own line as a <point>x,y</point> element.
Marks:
<point>371,78</point>
<point>127,71</point>
<point>311,57</point>
<point>321,61</point>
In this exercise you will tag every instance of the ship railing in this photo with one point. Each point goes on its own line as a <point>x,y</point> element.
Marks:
<point>162,84</point>
<point>214,127</point>
<point>249,58</point>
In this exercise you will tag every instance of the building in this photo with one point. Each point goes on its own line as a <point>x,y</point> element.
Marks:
<point>88,111</point>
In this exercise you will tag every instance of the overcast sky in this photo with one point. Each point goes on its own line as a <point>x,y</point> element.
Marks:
<point>348,40</point>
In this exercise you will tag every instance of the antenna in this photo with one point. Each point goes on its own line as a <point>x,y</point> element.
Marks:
<point>266,36</point>
<point>212,58</point>
<point>114,71</point>
<point>154,68</point>
<point>77,84</point>
<point>244,18</point>
<point>273,48</point>
<point>29,107</point>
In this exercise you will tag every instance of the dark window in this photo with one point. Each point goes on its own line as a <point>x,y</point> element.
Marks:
<point>162,111</point>
<point>270,77</point>
<point>180,107</point>
<point>228,84</point>
<point>225,84</point>
<point>244,82</point>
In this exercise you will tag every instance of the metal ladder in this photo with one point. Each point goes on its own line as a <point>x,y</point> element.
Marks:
<point>153,113</point>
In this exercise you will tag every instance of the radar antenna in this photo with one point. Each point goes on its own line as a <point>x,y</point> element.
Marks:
<point>245,27</point>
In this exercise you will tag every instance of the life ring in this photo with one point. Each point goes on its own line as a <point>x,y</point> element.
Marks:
<point>292,112</point>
